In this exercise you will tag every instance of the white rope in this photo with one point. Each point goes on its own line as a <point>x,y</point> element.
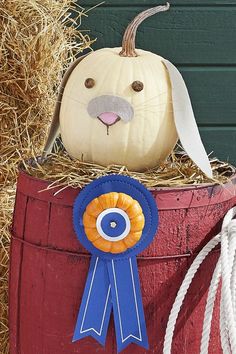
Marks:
<point>226,271</point>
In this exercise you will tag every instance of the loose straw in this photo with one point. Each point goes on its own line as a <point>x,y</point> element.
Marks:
<point>178,171</point>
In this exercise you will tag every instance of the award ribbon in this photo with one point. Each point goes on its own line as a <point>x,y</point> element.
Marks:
<point>115,218</point>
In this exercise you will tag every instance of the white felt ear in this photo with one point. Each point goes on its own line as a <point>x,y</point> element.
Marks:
<point>185,123</point>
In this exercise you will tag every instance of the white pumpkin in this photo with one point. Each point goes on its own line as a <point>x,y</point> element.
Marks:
<point>126,106</point>
<point>139,140</point>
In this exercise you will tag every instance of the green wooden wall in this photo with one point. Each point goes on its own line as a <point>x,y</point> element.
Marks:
<point>197,36</point>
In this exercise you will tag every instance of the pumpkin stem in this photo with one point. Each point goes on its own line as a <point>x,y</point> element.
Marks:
<point>128,43</point>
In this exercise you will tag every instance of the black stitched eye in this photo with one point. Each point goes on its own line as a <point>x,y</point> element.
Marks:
<point>137,86</point>
<point>89,83</point>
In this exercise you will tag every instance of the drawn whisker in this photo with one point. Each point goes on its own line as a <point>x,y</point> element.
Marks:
<point>157,104</point>
<point>152,106</point>
<point>152,98</point>
<point>166,111</point>
<point>157,111</point>
<point>73,99</point>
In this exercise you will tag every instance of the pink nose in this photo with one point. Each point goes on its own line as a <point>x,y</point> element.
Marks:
<point>108,118</point>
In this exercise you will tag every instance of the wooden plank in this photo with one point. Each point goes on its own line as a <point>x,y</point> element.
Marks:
<point>222,141</point>
<point>110,3</point>
<point>61,219</point>
<point>37,222</point>
<point>19,215</point>
<point>14,288</point>
<point>16,256</point>
<point>32,297</point>
<point>213,94</point>
<point>200,35</point>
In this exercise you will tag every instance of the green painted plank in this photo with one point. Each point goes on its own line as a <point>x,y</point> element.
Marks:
<point>213,94</point>
<point>112,3</point>
<point>183,35</point>
<point>221,141</point>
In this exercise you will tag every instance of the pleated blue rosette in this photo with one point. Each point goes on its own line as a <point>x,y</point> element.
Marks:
<point>113,280</point>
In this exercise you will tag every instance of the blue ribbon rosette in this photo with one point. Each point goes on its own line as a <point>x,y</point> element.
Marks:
<point>115,218</point>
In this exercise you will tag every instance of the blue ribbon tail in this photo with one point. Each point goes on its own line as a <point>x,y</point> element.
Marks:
<point>95,309</point>
<point>127,303</point>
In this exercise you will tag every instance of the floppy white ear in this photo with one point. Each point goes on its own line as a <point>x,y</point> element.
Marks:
<point>185,122</point>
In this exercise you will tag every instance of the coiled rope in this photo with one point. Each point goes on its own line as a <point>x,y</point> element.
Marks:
<point>226,271</point>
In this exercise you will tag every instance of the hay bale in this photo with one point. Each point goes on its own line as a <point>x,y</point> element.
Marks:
<point>38,41</point>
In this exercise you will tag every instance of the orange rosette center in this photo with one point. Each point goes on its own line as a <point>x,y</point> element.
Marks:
<point>129,212</point>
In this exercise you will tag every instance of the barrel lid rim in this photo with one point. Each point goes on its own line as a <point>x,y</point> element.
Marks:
<point>182,188</point>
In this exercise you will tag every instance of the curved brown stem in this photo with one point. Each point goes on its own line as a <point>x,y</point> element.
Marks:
<point>128,43</point>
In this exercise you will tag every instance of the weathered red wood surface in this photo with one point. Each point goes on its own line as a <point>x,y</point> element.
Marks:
<point>49,268</point>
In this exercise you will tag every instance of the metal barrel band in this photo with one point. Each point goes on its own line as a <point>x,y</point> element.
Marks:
<point>87,255</point>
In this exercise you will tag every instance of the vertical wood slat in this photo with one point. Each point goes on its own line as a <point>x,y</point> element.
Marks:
<point>16,253</point>
<point>61,232</point>
<point>34,278</point>
<point>37,228</point>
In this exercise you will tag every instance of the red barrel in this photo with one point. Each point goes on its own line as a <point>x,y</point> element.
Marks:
<point>48,269</point>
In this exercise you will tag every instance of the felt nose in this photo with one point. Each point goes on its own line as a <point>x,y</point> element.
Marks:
<point>108,118</point>
<point>110,109</point>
